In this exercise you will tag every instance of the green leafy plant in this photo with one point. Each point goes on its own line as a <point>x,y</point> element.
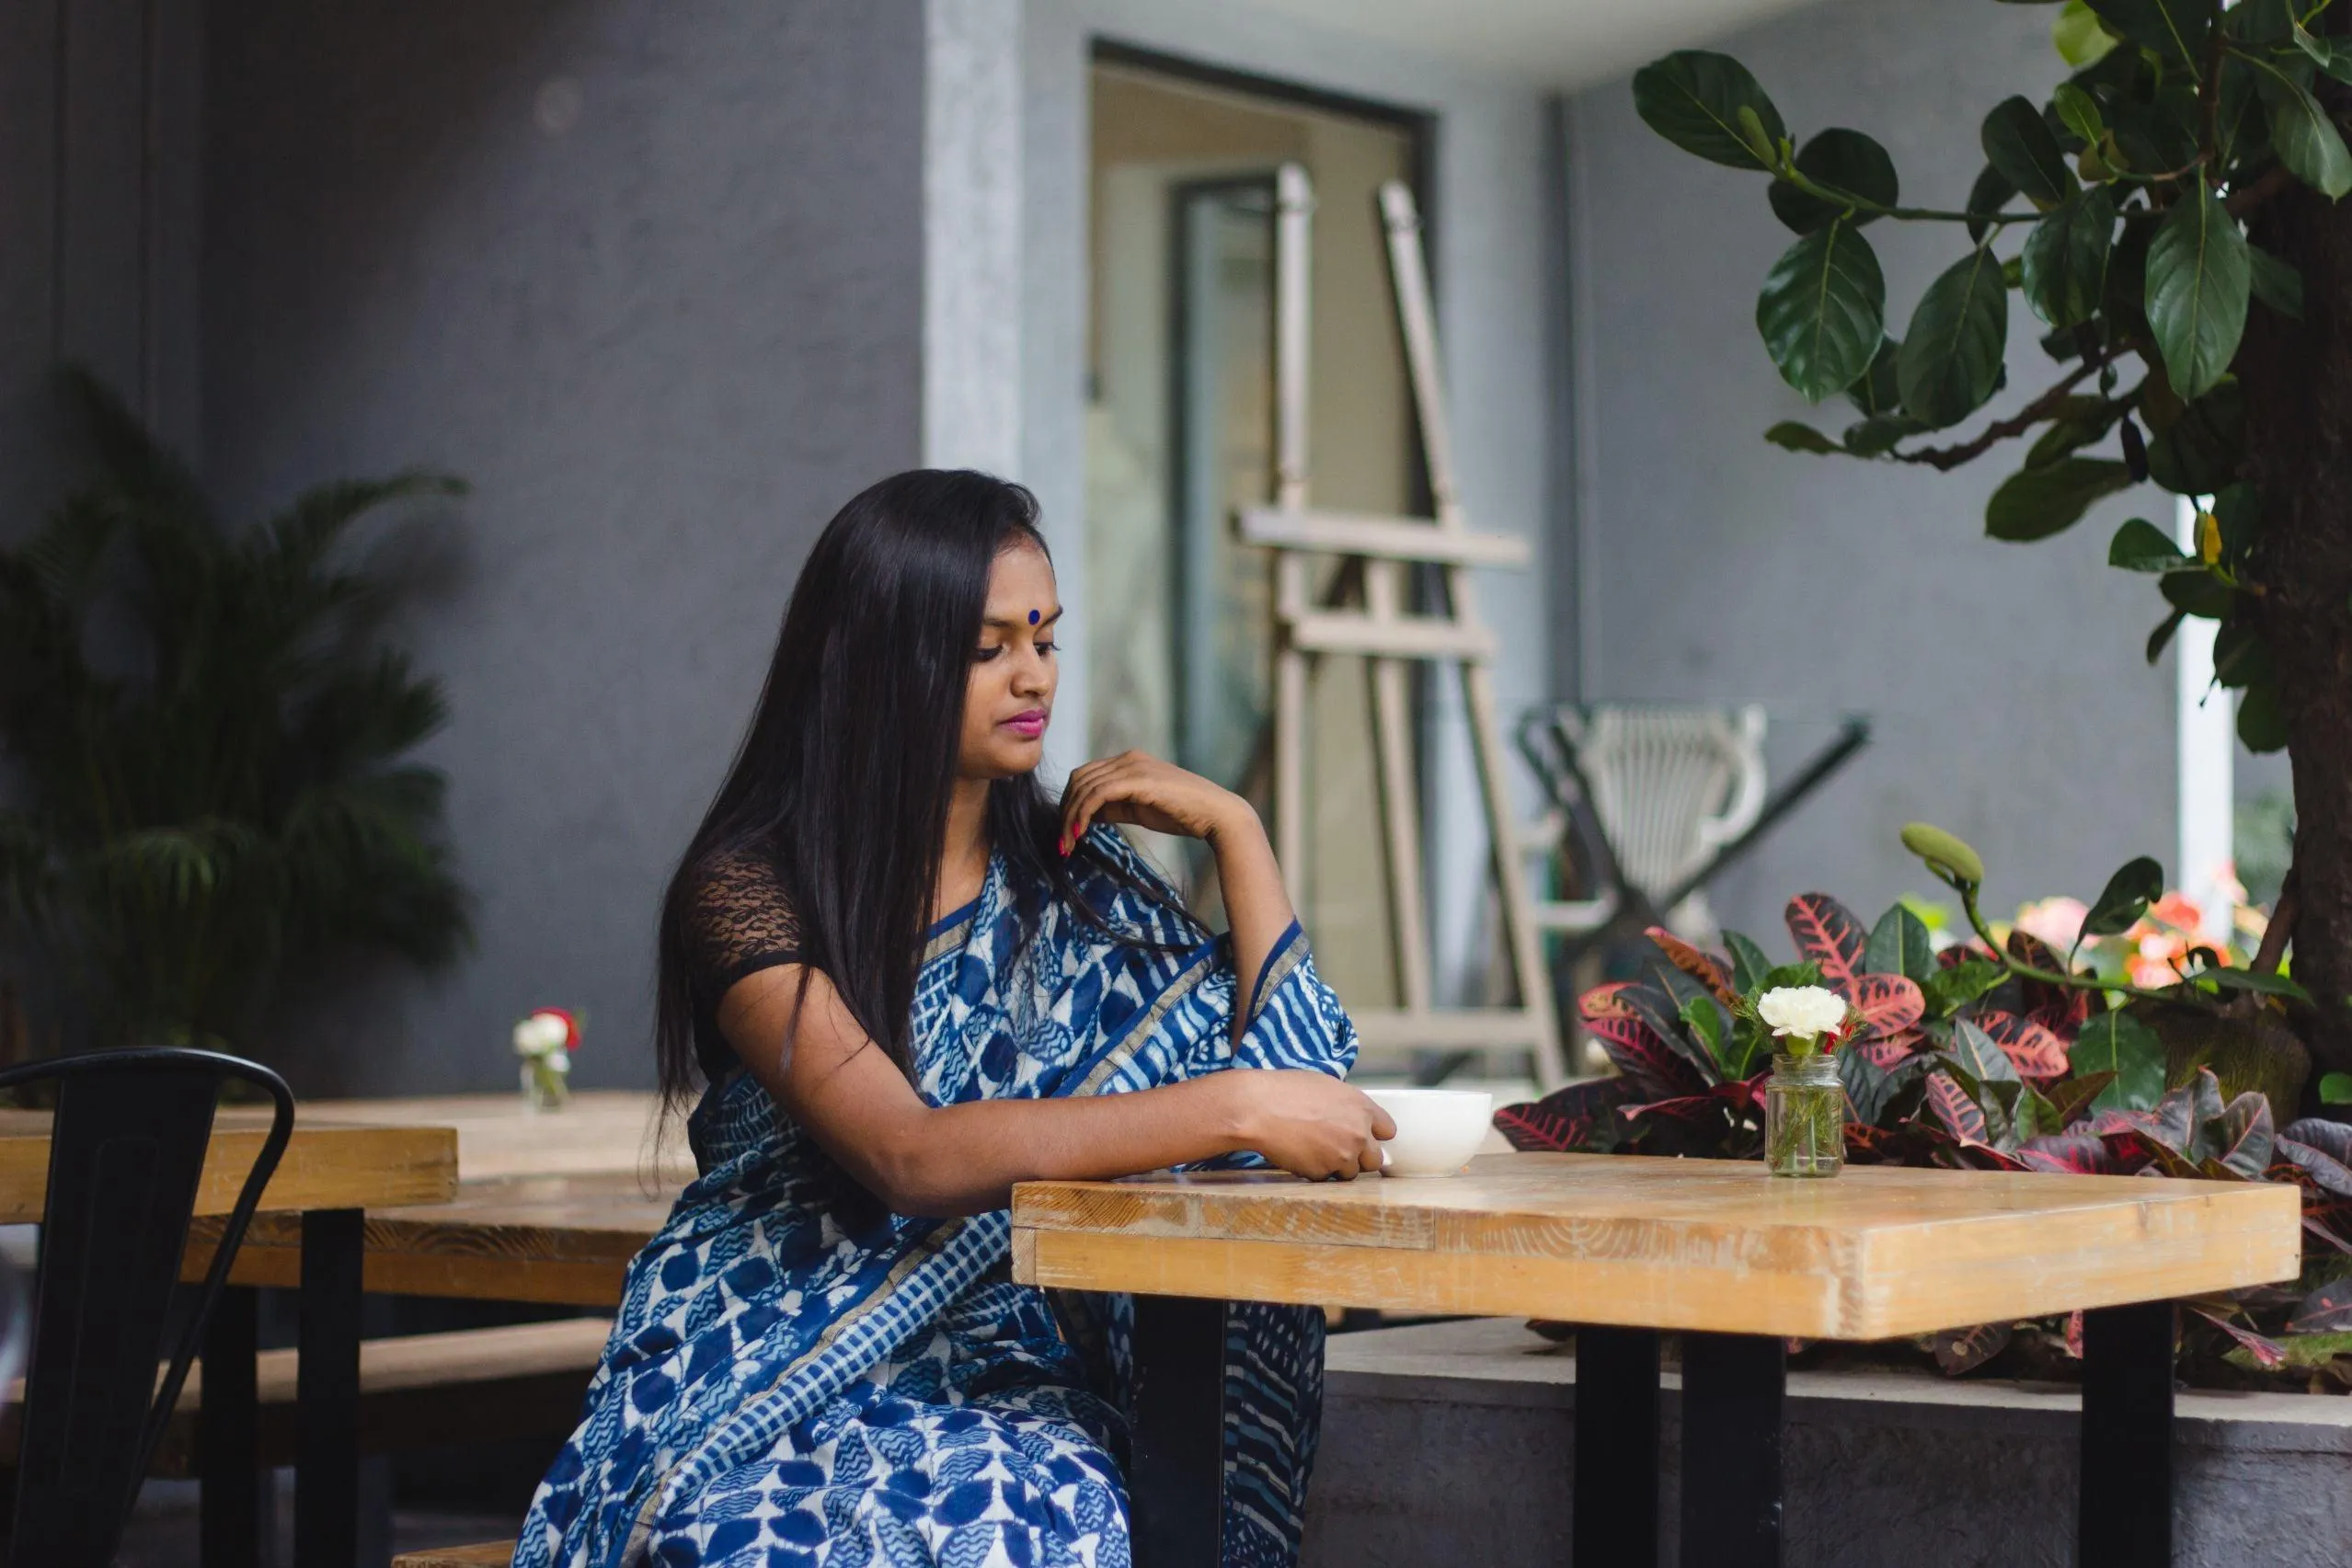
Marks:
<point>1995,1054</point>
<point>205,743</point>
<point>2166,213</point>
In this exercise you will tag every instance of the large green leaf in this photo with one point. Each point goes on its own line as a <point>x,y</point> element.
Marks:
<point>2198,286</point>
<point>2275,282</point>
<point>1693,97</point>
<point>1900,944</point>
<point>2237,514</point>
<point>2034,503</point>
<point>2241,657</point>
<point>2018,143</point>
<point>1988,196</point>
<point>1791,435</point>
<point>1823,310</point>
<point>2305,139</point>
<point>2136,885</point>
<point>2078,421</point>
<point>2262,721</point>
<point>1877,393</point>
<point>1951,357</point>
<point>2065,259</point>
<point>2140,546</point>
<point>2175,29</point>
<point>2079,37</point>
<point>1979,1056</point>
<point>2079,112</point>
<point>1839,160</point>
<point>2120,1044</point>
<point>2200,594</point>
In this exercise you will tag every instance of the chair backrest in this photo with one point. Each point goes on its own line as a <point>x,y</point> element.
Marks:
<point>126,1156</point>
<point>1668,784</point>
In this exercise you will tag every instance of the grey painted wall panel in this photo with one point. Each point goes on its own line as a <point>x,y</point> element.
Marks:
<point>650,278</point>
<point>2006,681</point>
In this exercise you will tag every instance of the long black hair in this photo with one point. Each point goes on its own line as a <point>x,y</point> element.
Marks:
<point>843,783</point>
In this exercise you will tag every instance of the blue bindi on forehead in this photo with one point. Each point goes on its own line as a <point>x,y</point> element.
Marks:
<point>1033,617</point>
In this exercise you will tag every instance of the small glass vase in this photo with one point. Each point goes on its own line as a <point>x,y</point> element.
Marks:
<point>544,1088</point>
<point>1805,1116</point>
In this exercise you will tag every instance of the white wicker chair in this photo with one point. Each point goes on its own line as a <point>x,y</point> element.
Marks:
<point>1670,786</point>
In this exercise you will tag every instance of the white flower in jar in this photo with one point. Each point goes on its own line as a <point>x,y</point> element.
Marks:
<point>541,1035</point>
<point>1802,1012</point>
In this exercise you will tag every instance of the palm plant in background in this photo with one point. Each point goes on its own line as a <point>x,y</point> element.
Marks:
<point>2171,215</point>
<point>202,740</point>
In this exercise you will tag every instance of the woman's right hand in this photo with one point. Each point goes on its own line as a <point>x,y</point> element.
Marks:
<point>1309,1124</point>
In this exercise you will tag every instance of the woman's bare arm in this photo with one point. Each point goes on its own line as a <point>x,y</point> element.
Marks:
<point>964,1159</point>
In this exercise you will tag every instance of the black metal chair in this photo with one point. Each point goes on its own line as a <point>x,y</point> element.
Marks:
<point>126,1155</point>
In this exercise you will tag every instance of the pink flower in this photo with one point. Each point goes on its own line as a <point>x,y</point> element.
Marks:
<point>2176,909</point>
<point>2056,922</point>
<point>2152,969</point>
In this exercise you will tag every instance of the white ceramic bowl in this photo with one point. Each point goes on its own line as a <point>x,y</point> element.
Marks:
<point>1437,1129</point>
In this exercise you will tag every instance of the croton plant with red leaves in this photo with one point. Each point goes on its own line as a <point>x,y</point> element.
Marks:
<point>1963,1058</point>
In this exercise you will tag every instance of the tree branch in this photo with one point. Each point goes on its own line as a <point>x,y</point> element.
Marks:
<point>2282,929</point>
<point>2274,180</point>
<point>1949,457</point>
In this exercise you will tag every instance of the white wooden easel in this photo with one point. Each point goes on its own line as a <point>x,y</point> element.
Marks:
<point>1384,633</point>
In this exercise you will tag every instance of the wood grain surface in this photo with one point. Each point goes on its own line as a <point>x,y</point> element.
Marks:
<point>488,1555</point>
<point>614,1132</point>
<point>324,1166</point>
<point>1699,1244</point>
<point>561,1240</point>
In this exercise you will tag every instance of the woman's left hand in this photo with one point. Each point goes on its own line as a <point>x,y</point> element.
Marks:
<point>1136,787</point>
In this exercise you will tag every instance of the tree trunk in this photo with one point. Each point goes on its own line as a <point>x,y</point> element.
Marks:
<point>2298,382</point>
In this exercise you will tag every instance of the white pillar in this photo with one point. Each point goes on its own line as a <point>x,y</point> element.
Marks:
<point>971,233</point>
<point>2207,742</point>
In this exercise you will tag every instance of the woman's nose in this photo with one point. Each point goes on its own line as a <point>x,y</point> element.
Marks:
<point>1033,675</point>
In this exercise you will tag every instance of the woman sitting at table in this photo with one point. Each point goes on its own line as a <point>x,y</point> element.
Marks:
<point>911,980</point>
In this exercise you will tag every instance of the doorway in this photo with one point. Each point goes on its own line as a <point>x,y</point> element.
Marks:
<point>1180,433</point>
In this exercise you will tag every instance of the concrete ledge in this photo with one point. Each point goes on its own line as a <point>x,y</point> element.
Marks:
<point>1452,1444</point>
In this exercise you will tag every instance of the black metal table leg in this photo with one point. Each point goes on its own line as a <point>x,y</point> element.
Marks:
<point>1176,1478</point>
<point>1732,1388</point>
<point>1614,1505</point>
<point>229,1498</point>
<point>326,1391</point>
<point>2125,1517</point>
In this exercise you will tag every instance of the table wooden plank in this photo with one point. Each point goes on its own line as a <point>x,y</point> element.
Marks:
<point>599,1132</point>
<point>1708,1245</point>
<point>564,1240</point>
<point>324,1166</point>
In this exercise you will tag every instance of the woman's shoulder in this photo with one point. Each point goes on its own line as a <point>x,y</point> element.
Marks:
<point>739,914</point>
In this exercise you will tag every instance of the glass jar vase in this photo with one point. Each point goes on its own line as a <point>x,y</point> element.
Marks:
<point>1805,1116</point>
<point>545,1084</point>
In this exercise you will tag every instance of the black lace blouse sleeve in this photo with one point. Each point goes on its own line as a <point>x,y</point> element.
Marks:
<point>740,923</point>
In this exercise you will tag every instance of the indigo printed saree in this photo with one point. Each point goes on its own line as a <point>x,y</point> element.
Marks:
<point>779,1390</point>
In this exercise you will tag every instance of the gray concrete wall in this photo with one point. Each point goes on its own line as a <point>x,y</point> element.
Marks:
<point>100,108</point>
<point>2006,681</point>
<point>649,277</point>
<point>1456,1443</point>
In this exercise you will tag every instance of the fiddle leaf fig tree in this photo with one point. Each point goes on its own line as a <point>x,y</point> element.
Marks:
<point>2171,217</point>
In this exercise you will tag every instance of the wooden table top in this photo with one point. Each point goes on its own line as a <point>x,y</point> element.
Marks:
<point>325,1166</point>
<point>600,1132</point>
<point>1698,1244</point>
<point>553,1205</point>
<point>564,1240</point>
